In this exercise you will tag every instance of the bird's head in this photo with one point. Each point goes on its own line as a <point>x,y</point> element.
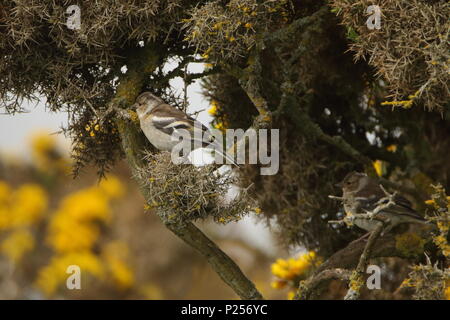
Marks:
<point>145,103</point>
<point>353,182</point>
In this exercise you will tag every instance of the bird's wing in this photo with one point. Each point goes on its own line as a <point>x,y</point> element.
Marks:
<point>169,120</point>
<point>368,199</point>
<point>402,201</point>
<point>402,206</point>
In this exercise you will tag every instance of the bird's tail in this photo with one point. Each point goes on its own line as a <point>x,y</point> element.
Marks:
<point>430,224</point>
<point>226,155</point>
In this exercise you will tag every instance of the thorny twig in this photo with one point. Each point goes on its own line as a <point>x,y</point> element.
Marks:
<point>381,205</point>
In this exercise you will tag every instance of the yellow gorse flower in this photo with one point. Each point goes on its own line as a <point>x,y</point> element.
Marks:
<point>213,110</point>
<point>291,295</point>
<point>115,256</point>
<point>66,235</point>
<point>5,192</point>
<point>74,230</point>
<point>219,123</point>
<point>46,155</point>
<point>30,202</point>
<point>406,283</point>
<point>73,226</point>
<point>220,126</point>
<point>17,244</point>
<point>295,268</point>
<point>21,207</point>
<point>380,167</point>
<point>112,187</point>
<point>391,148</point>
<point>278,284</point>
<point>432,202</point>
<point>42,143</point>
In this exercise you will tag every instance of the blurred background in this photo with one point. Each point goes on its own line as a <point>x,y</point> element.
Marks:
<point>49,220</point>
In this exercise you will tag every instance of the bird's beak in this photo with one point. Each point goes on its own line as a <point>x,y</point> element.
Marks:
<point>339,185</point>
<point>134,107</point>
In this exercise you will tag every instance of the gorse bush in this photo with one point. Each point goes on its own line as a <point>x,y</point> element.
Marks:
<point>344,96</point>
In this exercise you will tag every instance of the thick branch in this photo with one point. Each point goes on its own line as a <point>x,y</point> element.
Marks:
<point>252,85</point>
<point>226,268</point>
<point>313,287</point>
<point>133,144</point>
<point>353,256</point>
<point>348,257</point>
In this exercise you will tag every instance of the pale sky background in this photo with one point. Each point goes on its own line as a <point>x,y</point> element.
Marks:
<point>15,130</point>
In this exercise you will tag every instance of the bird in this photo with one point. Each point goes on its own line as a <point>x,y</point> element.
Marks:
<point>162,123</point>
<point>362,194</point>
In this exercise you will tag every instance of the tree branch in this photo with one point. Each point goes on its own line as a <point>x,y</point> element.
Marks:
<point>225,267</point>
<point>337,266</point>
<point>134,143</point>
<point>304,123</point>
<point>348,257</point>
<point>313,287</point>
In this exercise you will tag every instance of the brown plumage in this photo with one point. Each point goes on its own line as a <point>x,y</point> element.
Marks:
<point>362,193</point>
<point>163,125</point>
